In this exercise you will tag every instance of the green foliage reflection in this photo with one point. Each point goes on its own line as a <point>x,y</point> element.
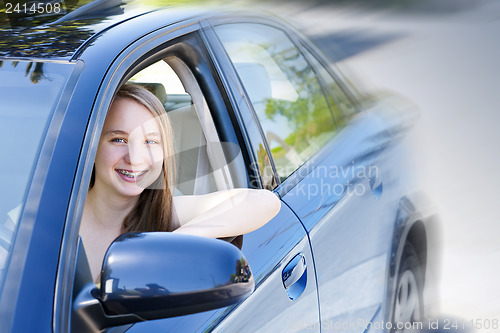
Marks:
<point>309,118</point>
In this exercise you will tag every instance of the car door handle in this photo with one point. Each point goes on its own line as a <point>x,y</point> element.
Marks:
<point>294,276</point>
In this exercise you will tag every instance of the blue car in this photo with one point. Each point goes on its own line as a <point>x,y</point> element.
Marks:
<point>253,104</point>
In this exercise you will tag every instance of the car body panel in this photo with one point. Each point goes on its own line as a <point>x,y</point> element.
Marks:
<point>346,205</point>
<point>267,250</point>
<point>44,211</point>
<point>339,220</point>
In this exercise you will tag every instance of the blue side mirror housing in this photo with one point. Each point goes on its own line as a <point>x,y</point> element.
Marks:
<point>155,275</point>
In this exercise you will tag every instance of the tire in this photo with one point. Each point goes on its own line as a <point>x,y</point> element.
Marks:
<point>408,307</point>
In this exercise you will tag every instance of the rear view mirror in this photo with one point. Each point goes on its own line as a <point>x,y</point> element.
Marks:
<point>156,275</point>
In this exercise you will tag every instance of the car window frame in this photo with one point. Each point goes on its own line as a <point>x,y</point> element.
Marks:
<point>282,187</point>
<point>248,129</point>
<point>351,94</point>
<point>209,133</point>
<point>277,177</point>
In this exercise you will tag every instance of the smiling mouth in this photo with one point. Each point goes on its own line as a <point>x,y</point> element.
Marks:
<point>131,174</point>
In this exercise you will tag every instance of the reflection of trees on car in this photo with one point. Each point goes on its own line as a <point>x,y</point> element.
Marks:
<point>50,35</point>
<point>309,119</point>
<point>308,116</point>
<point>243,273</point>
<point>35,73</point>
<point>25,13</point>
<point>45,42</point>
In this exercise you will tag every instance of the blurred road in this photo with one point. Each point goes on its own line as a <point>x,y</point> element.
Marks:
<point>447,63</point>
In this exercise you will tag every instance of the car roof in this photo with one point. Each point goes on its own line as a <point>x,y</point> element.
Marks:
<point>65,35</point>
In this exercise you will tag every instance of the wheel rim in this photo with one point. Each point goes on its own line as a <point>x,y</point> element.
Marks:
<point>407,305</point>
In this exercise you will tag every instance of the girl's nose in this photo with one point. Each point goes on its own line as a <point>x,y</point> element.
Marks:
<point>138,154</point>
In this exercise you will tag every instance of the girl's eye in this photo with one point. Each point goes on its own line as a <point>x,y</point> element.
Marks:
<point>151,142</point>
<point>119,140</point>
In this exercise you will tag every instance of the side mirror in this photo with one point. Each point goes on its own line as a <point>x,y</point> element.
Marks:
<point>157,275</point>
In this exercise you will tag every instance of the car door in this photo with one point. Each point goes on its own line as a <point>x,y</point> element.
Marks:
<point>279,253</point>
<point>279,248</point>
<point>327,161</point>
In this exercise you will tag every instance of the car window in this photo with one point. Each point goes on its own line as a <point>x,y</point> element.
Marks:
<point>284,91</point>
<point>342,107</point>
<point>203,163</point>
<point>29,92</point>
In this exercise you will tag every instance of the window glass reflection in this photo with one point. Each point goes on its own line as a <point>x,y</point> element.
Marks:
<point>28,93</point>
<point>342,107</point>
<point>284,92</point>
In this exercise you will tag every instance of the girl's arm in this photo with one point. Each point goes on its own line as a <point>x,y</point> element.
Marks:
<point>224,213</point>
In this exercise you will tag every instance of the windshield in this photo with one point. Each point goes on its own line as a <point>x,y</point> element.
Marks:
<point>28,93</point>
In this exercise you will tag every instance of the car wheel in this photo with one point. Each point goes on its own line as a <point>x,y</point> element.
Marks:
<point>408,301</point>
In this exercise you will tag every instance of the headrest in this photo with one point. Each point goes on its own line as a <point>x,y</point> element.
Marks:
<point>156,88</point>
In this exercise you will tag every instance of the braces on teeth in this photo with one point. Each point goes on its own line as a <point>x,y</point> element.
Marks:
<point>131,174</point>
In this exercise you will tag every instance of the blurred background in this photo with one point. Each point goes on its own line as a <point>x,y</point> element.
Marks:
<point>442,55</point>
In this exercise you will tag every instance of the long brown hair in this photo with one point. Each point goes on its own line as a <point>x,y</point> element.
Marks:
<point>153,210</point>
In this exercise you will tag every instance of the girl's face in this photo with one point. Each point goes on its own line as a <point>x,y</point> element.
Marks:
<point>130,153</point>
